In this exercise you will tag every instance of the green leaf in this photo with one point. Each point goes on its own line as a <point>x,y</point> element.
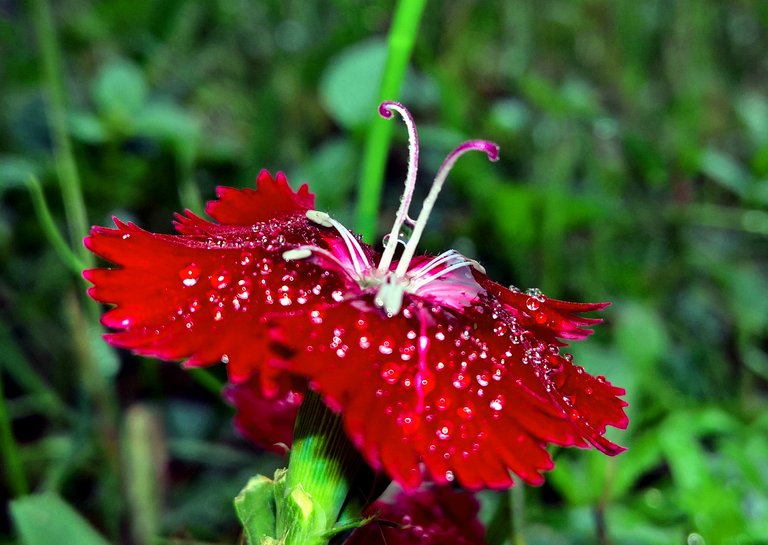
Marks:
<point>87,127</point>
<point>330,172</point>
<point>119,91</point>
<point>349,87</point>
<point>168,122</point>
<point>255,507</point>
<point>724,170</point>
<point>42,519</point>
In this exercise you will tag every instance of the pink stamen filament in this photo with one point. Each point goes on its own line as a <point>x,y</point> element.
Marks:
<point>297,253</point>
<point>422,282</point>
<point>385,110</point>
<point>489,148</point>
<point>418,272</point>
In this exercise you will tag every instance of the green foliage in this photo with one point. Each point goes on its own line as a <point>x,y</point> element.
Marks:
<point>40,517</point>
<point>634,168</point>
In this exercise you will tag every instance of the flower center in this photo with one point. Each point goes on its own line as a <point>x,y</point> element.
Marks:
<point>445,277</point>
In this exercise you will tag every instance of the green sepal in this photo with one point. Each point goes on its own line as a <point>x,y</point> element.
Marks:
<point>255,507</point>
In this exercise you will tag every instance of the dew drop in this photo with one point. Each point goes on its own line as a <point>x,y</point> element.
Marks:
<point>460,381</point>
<point>440,336</point>
<point>364,343</point>
<point>220,280</point>
<point>497,403</point>
<point>385,347</point>
<point>541,317</point>
<point>466,412</point>
<point>426,381</point>
<point>224,359</point>
<point>532,303</point>
<point>218,316</point>
<point>449,476</point>
<point>316,317</point>
<point>500,328</point>
<point>337,296</point>
<point>444,432</point>
<point>245,259</point>
<point>409,422</point>
<point>391,372</point>
<point>483,379</point>
<point>190,275</point>
<point>443,403</point>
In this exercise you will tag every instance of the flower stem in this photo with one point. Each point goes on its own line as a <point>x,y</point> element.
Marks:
<point>66,168</point>
<point>14,469</point>
<point>321,471</point>
<point>402,36</point>
<point>49,227</point>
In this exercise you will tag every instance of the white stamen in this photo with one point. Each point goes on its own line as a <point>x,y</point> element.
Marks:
<point>390,296</point>
<point>386,110</point>
<point>303,252</point>
<point>321,218</point>
<point>356,254</point>
<point>297,253</point>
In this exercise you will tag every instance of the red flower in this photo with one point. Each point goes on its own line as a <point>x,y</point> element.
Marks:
<point>266,421</point>
<point>433,516</point>
<point>433,366</point>
<point>204,294</point>
<point>432,363</point>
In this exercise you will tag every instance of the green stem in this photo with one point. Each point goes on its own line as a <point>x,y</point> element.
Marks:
<point>66,168</point>
<point>14,469</point>
<point>207,380</point>
<point>402,36</point>
<point>322,468</point>
<point>52,233</point>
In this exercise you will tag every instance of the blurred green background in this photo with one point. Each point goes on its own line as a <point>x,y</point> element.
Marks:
<point>634,169</point>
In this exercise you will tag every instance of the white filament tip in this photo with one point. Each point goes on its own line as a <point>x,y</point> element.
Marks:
<point>321,218</point>
<point>298,253</point>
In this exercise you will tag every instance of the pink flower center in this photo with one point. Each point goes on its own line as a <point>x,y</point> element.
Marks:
<point>446,278</point>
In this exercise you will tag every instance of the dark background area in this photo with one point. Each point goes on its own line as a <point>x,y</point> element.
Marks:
<point>634,168</point>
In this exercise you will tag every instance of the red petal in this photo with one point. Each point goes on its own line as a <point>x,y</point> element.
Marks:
<point>267,421</point>
<point>203,298</point>
<point>272,198</point>
<point>470,395</point>
<point>437,515</point>
<point>548,318</point>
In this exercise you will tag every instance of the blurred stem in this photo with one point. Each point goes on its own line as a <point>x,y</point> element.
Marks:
<point>207,380</point>
<point>50,230</point>
<point>516,514</point>
<point>402,36</point>
<point>81,315</point>
<point>66,168</point>
<point>14,469</point>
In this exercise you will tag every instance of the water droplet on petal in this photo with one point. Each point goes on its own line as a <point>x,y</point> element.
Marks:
<point>532,303</point>
<point>409,422</point>
<point>497,403</point>
<point>190,275</point>
<point>483,379</point>
<point>444,431</point>
<point>500,328</point>
<point>224,359</point>
<point>391,372</point>
<point>220,279</point>
<point>460,381</point>
<point>449,476</point>
<point>245,259</point>
<point>466,412</point>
